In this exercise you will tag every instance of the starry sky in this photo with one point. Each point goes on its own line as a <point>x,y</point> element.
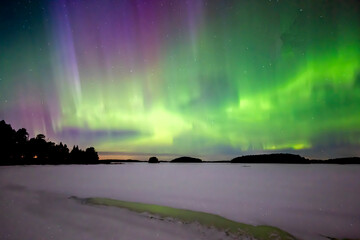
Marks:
<point>207,78</point>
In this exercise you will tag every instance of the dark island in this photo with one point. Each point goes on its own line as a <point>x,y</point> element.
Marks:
<point>271,158</point>
<point>186,160</point>
<point>286,158</point>
<point>119,161</point>
<point>346,160</point>
<point>153,160</point>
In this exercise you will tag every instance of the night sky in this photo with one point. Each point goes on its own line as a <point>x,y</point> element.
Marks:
<point>213,79</point>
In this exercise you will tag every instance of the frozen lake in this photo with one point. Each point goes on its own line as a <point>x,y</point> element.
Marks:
<point>306,200</point>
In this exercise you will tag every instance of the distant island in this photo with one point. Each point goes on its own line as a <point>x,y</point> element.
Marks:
<point>346,160</point>
<point>153,160</point>
<point>287,158</point>
<point>119,161</point>
<point>186,160</point>
<point>271,158</point>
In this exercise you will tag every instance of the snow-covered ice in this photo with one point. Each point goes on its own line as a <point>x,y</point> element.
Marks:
<point>306,200</point>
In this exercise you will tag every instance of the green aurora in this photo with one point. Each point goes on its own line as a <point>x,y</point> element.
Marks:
<point>213,79</point>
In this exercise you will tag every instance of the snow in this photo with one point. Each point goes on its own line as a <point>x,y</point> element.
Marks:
<point>306,200</point>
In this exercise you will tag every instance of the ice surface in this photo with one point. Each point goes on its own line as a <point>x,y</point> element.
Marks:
<point>305,200</point>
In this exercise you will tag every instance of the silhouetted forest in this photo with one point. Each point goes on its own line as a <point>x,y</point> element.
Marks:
<point>16,148</point>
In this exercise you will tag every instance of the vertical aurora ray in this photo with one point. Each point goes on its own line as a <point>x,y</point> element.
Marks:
<point>66,72</point>
<point>206,78</point>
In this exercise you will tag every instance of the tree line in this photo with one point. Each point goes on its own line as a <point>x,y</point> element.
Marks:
<point>16,148</point>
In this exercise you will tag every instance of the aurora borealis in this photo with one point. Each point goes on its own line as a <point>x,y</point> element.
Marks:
<point>213,79</point>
